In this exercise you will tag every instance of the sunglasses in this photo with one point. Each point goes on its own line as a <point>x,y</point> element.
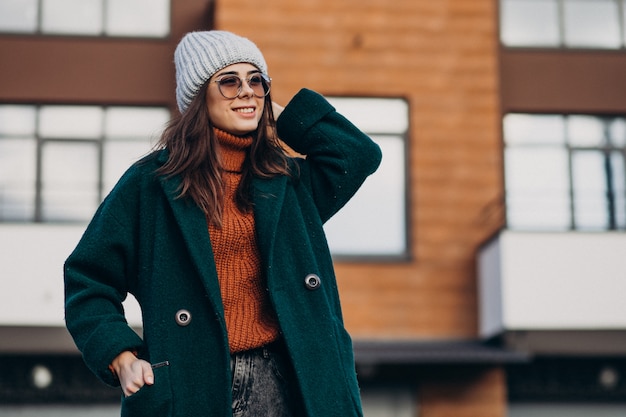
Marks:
<point>230,85</point>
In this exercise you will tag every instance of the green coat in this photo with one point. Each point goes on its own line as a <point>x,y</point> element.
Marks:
<point>145,242</point>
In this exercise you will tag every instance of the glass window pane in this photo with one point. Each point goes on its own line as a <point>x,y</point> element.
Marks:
<point>618,176</point>
<point>617,132</point>
<point>537,188</point>
<point>71,17</point>
<point>124,123</point>
<point>525,129</point>
<point>18,16</point>
<point>374,115</point>
<point>359,231</point>
<point>17,179</point>
<point>118,157</point>
<point>17,120</point>
<point>589,179</point>
<point>529,23</point>
<point>71,122</point>
<point>592,23</point>
<point>70,181</point>
<point>138,18</point>
<point>585,131</point>
<point>623,22</point>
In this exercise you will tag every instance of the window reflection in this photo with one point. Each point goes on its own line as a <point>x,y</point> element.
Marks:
<point>575,184</point>
<point>373,223</point>
<point>136,18</point>
<point>57,162</point>
<point>82,17</point>
<point>526,129</point>
<point>17,120</point>
<point>618,182</point>
<point>374,220</point>
<point>118,156</point>
<point>585,131</point>
<point>69,181</point>
<point>529,22</point>
<point>70,122</point>
<point>17,178</point>
<point>537,188</point>
<point>563,23</point>
<point>590,188</point>
<point>132,123</point>
<point>592,23</point>
<point>18,16</point>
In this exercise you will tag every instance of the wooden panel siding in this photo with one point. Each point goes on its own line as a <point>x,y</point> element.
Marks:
<point>442,57</point>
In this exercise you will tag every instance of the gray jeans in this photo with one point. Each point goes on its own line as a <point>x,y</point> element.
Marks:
<point>263,384</point>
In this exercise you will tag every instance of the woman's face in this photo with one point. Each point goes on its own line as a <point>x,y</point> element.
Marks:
<point>239,115</point>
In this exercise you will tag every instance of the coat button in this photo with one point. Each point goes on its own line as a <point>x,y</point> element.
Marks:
<point>183,317</point>
<point>312,282</point>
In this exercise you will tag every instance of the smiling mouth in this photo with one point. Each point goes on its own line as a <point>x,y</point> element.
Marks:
<point>245,110</point>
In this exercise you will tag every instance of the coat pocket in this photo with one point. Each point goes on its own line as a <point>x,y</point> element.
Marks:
<point>151,400</point>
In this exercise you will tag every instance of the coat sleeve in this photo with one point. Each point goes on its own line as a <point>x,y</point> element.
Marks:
<point>96,282</point>
<point>339,157</point>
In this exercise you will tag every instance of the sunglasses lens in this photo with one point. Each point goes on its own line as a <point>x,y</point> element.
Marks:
<point>259,84</point>
<point>229,86</point>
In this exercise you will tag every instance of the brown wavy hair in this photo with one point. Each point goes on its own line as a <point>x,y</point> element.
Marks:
<point>192,143</point>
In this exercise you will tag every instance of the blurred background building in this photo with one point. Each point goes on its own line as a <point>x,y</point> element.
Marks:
<point>482,268</point>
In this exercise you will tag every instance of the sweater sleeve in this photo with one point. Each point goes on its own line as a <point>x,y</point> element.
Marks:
<point>339,157</point>
<point>96,282</point>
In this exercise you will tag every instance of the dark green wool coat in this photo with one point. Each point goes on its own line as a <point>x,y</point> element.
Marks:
<point>144,241</point>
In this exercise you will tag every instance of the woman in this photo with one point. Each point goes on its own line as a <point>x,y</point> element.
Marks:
<point>218,235</point>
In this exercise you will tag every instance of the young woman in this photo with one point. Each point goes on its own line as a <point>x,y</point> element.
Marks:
<point>218,234</point>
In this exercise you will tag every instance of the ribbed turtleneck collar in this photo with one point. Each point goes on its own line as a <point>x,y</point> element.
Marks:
<point>232,150</point>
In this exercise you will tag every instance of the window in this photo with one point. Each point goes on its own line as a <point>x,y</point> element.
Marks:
<point>374,223</point>
<point>563,23</point>
<point>57,162</point>
<point>133,18</point>
<point>565,172</point>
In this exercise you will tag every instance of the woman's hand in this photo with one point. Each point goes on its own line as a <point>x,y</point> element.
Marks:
<point>132,372</point>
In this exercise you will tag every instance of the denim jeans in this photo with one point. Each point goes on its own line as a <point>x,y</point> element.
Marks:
<point>263,384</point>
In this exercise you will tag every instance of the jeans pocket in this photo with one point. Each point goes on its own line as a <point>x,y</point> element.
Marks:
<point>280,368</point>
<point>151,400</point>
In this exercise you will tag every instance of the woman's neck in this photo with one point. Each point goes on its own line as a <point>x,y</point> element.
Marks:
<point>233,150</point>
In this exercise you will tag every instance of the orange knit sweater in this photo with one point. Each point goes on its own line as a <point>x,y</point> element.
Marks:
<point>250,318</point>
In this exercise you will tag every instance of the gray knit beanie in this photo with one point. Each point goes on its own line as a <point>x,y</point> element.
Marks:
<point>199,55</point>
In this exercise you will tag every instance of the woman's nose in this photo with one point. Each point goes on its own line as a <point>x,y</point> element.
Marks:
<point>246,90</point>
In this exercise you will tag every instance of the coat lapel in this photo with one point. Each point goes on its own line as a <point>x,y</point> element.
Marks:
<point>193,225</point>
<point>268,197</point>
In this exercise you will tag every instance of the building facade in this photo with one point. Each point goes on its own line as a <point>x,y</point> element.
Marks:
<point>480,269</point>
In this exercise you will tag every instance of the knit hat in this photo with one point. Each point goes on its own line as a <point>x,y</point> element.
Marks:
<point>199,55</point>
